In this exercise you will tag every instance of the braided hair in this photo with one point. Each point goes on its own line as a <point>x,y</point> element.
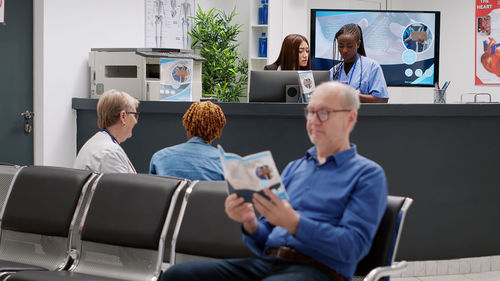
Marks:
<point>205,120</point>
<point>354,30</point>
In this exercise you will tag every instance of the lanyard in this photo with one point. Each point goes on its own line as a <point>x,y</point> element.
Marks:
<point>112,138</point>
<point>354,68</point>
<point>336,75</point>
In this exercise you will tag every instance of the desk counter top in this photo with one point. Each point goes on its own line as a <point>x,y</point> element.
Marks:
<point>283,109</point>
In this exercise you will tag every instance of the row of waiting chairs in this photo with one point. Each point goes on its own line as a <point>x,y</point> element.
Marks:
<point>66,224</point>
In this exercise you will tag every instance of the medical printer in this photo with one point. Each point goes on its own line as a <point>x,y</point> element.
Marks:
<point>137,71</point>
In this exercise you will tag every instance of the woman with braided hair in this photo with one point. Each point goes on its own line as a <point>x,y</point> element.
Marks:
<point>195,159</point>
<point>354,68</point>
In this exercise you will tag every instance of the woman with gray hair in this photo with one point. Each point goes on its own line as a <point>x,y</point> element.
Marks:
<point>116,117</point>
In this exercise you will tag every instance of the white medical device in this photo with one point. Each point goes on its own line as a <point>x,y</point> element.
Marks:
<point>136,71</point>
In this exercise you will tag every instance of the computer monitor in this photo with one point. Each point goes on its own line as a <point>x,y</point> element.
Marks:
<point>279,86</point>
<point>386,35</point>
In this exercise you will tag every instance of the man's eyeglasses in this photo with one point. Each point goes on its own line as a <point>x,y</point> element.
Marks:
<point>136,114</point>
<point>322,114</point>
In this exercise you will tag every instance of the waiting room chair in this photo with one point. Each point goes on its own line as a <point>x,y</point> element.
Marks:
<point>378,263</point>
<point>123,230</point>
<point>38,217</point>
<point>203,229</point>
<point>202,211</point>
<point>7,175</point>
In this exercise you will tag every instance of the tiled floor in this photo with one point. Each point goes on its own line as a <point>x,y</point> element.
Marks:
<point>465,269</point>
<point>481,276</point>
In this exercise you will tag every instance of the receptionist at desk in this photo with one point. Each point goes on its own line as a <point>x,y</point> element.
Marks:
<point>355,68</point>
<point>294,54</point>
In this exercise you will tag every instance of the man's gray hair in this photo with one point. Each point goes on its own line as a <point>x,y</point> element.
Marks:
<point>349,95</point>
<point>350,98</point>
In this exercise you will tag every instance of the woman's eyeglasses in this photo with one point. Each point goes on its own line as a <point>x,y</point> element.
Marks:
<point>136,114</point>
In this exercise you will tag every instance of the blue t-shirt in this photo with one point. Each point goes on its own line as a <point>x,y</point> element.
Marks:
<point>366,76</point>
<point>193,160</point>
<point>340,202</point>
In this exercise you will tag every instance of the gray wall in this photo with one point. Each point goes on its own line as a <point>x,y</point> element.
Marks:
<point>445,157</point>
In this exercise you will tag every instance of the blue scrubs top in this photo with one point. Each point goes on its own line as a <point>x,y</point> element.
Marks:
<point>410,44</point>
<point>366,75</point>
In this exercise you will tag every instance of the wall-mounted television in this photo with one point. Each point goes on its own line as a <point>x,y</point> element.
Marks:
<point>405,62</point>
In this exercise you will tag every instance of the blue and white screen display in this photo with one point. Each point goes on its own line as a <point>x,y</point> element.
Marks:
<point>404,43</point>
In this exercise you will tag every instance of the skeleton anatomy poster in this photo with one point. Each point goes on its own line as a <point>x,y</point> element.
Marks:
<point>487,48</point>
<point>168,22</point>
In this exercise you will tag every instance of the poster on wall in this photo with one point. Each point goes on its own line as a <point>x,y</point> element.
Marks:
<point>168,22</point>
<point>487,42</point>
<point>176,79</point>
<point>2,11</point>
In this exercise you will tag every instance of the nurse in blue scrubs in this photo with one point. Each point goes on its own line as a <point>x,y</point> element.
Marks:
<point>408,40</point>
<point>355,68</point>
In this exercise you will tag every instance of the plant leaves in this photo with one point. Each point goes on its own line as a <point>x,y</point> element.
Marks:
<point>224,74</point>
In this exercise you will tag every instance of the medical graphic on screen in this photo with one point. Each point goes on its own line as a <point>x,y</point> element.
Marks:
<point>404,43</point>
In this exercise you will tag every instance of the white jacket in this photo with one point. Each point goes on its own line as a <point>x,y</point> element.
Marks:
<point>100,154</point>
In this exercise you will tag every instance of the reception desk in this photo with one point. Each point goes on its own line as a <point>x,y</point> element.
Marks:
<point>445,156</point>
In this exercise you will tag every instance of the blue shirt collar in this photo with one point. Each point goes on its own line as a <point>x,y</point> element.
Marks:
<point>338,158</point>
<point>196,140</point>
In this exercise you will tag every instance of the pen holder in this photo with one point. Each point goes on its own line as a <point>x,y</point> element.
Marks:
<point>439,96</point>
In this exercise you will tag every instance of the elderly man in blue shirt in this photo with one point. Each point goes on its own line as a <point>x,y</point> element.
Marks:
<point>337,199</point>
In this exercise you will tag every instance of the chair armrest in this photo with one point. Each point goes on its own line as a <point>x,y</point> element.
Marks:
<point>382,271</point>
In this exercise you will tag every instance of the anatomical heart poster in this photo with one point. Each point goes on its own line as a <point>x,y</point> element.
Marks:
<point>2,11</point>
<point>487,42</point>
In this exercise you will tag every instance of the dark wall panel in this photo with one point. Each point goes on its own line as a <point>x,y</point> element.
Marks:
<point>445,157</point>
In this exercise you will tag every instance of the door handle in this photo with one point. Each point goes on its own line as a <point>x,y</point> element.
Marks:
<point>28,115</point>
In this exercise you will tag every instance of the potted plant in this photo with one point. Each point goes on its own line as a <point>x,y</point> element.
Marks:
<point>224,75</point>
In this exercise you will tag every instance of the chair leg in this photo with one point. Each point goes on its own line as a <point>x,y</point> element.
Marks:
<point>383,271</point>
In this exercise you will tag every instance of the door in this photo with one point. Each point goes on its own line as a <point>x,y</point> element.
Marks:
<point>16,82</point>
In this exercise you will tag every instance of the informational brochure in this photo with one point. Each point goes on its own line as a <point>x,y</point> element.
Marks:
<point>176,79</point>
<point>306,85</point>
<point>252,173</point>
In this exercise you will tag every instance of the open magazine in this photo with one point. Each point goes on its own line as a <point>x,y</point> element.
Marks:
<point>252,173</point>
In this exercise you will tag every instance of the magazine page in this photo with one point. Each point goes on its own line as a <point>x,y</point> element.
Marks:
<point>252,173</point>
<point>306,85</point>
